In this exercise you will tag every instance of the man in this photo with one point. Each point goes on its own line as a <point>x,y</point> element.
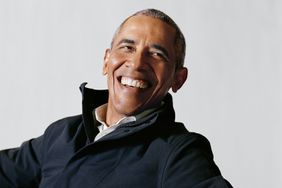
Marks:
<point>127,136</point>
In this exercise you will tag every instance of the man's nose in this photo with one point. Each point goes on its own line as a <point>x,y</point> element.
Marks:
<point>139,60</point>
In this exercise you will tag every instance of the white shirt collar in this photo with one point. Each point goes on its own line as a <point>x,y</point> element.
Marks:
<point>100,113</point>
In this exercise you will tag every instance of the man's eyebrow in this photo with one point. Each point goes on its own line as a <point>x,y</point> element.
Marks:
<point>126,41</point>
<point>162,49</point>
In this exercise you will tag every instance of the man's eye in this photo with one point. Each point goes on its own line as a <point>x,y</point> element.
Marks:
<point>127,48</point>
<point>159,55</point>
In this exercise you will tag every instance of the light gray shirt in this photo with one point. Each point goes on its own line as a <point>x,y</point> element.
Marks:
<point>100,114</point>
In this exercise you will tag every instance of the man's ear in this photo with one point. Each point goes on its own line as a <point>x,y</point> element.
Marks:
<point>106,61</point>
<point>179,78</point>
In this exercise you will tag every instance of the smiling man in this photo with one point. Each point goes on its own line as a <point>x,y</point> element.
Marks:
<point>141,66</point>
<point>127,136</point>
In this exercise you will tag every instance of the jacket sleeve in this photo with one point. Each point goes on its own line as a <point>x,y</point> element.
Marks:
<point>190,164</point>
<point>20,167</point>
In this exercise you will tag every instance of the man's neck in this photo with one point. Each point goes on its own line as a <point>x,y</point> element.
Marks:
<point>111,118</point>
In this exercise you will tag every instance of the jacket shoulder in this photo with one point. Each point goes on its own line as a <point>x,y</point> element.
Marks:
<point>190,161</point>
<point>63,128</point>
<point>64,123</point>
<point>179,135</point>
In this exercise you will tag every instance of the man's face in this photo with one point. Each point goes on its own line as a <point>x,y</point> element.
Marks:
<point>140,66</point>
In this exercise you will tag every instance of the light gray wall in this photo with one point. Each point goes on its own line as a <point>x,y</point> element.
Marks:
<point>233,94</point>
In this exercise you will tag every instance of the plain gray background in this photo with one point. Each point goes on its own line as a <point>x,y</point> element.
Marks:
<point>232,96</point>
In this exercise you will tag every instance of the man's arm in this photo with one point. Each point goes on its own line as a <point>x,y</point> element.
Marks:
<point>190,164</point>
<point>20,167</point>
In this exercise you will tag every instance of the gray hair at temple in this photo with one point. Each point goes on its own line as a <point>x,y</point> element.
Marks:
<point>180,44</point>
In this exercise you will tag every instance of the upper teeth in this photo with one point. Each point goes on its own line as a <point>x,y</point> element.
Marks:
<point>134,83</point>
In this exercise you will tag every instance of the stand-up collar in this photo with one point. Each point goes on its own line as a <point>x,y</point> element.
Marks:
<point>92,99</point>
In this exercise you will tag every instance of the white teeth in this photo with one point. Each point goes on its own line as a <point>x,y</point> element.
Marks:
<point>134,83</point>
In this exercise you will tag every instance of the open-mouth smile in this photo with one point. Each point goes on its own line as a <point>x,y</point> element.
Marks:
<point>136,83</point>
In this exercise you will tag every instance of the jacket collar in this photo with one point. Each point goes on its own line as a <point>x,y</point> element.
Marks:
<point>92,99</point>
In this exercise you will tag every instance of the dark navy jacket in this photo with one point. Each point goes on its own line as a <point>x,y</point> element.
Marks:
<point>154,152</point>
